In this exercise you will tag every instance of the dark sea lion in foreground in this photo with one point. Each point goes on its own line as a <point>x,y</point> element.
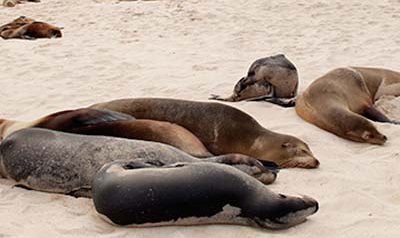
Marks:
<point>58,162</point>
<point>342,100</point>
<point>273,79</point>
<point>109,123</point>
<point>30,30</point>
<point>221,128</point>
<point>142,195</point>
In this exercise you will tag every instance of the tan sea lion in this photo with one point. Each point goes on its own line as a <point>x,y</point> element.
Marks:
<point>273,79</point>
<point>221,128</point>
<point>109,123</point>
<point>341,100</point>
<point>26,28</point>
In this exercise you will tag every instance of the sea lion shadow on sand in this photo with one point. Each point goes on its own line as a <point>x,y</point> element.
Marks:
<point>272,79</point>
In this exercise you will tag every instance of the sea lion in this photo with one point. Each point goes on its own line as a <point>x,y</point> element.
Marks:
<point>26,28</point>
<point>142,195</point>
<point>58,162</point>
<point>221,128</point>
<point>341,100</point>
<point>13,3</point>
<point>109,123</point>
<point>273,79</point>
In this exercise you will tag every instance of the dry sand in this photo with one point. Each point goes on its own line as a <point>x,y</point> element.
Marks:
<point>189,49</point>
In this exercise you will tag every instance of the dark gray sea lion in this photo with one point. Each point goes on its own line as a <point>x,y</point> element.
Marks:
<point>342,100</point>
<point>109,123</point>
<point>142,195</point>
<point>273,79</point>
<point>59,162</point>
<point>221,128</point>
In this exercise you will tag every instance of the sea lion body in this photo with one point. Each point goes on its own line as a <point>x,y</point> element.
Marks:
<point>221,128</point>
<point>340,100</point>
<point>109,123</point>
<point>273,79</point>
<point>59,162</point>
<point>210,194</point>
<point>26,28</point>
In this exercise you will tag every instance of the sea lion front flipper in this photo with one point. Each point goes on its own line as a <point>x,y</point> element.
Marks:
<point>283,102</point>
<point>374,114</point>
<point>219,98</point>
<point>81,192</point>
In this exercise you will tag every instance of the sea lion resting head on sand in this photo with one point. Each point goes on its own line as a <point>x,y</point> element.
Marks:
<point>221,128</point>
<point>26,28</point>
<point>273,79</point>
<point>341,100</point>
<point>142,195</point>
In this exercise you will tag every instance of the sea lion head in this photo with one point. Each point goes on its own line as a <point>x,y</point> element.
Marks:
<point>288,152</point>
<point>364,131</point>
<point>248,88</point>
<point>287,212</point>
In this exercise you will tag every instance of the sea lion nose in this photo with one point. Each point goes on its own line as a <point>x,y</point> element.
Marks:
<point>384,138</point>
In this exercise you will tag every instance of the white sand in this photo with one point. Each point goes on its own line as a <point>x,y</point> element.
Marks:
<point>189,49</point>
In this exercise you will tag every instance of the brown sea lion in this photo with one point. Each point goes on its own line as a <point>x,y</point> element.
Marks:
<point>26,28</point>
<point>221,128</point>
<point>109,123</point>
<point>273,79</point>
<point>13,3</point>
<point>341,100</point>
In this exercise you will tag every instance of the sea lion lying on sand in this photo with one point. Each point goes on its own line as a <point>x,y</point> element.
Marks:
<point>273,79</point>
<point>143,195</point>
<point>58,162</point>
<point>12,3</point>
<point>221,128</point>
<point>109,123</point>
<point>26,28</point>
<point>341,100</point>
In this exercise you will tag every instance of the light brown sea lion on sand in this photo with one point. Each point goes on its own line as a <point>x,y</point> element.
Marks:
<point>26,28</point>
<point>221,128</point>
<point>341,100</point>
<point>273,79</point>
<point>102,122</point>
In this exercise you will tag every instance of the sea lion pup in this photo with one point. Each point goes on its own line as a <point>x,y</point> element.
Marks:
<point>12,3</point>
<point>341,100</point>
<point>58,162</point>
<point>30,30</point>
<point>273,79</point>
<point>221,128</point>
<point>109,123</point>
<point>142,195</point>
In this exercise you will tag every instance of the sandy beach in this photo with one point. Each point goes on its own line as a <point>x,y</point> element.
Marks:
<point>189,49</point>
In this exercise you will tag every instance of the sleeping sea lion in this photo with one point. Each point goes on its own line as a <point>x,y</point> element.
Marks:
<point>26,28</point>
<point>221,128</point>
<point>109,123</point>
<point>142,195</point>
<point>342,100</point>
<point>58,162</point>
<point>273,79</point>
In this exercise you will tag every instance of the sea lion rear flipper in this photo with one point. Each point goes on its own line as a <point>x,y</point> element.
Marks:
<point>374,114</point>
<point>81,192</point>
<point>283,102</point>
